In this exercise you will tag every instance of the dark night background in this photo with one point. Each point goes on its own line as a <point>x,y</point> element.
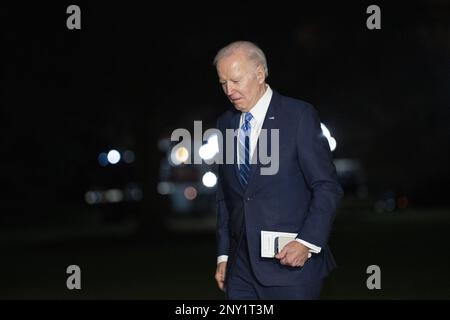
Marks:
<point>134,73</point>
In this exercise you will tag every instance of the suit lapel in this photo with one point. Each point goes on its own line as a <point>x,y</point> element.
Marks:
<point>234,168</point>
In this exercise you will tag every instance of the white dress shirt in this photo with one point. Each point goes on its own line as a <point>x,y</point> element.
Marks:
<point>259,114</point>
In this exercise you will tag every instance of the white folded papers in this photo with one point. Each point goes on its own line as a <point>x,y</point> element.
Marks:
<point>268,242</point>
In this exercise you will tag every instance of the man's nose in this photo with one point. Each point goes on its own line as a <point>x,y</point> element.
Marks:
<point>229,89</point>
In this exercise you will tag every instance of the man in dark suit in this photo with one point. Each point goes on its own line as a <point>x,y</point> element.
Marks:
<point>301,197</point>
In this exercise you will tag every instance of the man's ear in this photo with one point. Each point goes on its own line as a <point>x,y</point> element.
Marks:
<point>260,74</point>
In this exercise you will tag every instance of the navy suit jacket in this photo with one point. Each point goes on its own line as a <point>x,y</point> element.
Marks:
<point>301,197</point>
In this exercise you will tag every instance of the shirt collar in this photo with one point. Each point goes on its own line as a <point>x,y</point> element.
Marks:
<point>260,109</point>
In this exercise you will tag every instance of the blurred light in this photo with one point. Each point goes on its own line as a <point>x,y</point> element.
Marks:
<point>113,195</point>
<point>128,156</point>
<point>93,197</point>
<point>379,206</point>
<point>103,159</point>
<point>164,188</point>
<point>209,179</point>
<point>133,192</point>
<point>136,194</point>
<point>190,193</point>
<point>179,155</point>
<point>210,149</point>
<point>402,202</point>
<point>325,130</point>
<point>331,141</point>
<point>345,165</point>
<point>113,156</point>
<point>390,204</point>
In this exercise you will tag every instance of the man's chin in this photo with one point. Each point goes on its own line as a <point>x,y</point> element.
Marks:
<point>239,107</point>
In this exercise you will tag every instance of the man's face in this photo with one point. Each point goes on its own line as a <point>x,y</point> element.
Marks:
<point>241,80</point>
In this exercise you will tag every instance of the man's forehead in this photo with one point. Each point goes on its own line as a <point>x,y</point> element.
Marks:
<point>233,58</point>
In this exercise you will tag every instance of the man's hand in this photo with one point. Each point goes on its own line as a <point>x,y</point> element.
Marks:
<point>220,274</point>
<point>294,254</point>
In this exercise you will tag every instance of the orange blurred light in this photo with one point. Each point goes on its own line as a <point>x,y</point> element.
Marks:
<point>190,193</point>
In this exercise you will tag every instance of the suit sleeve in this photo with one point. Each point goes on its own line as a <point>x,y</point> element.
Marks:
<point>317,165</point>
<point>222,225</point>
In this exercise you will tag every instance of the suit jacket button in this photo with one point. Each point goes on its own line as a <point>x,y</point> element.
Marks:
<point>248,198</point>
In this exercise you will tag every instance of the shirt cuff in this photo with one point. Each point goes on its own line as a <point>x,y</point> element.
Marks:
<point>312,248</point>
<point>222,258</point>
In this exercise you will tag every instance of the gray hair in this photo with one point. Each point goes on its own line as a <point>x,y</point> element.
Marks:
<point>253,52</point>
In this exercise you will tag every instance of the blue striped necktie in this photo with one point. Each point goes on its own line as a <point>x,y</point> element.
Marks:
<point>244,149</point>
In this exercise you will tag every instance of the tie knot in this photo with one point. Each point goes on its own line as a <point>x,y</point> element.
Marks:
<point>247,118</point>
